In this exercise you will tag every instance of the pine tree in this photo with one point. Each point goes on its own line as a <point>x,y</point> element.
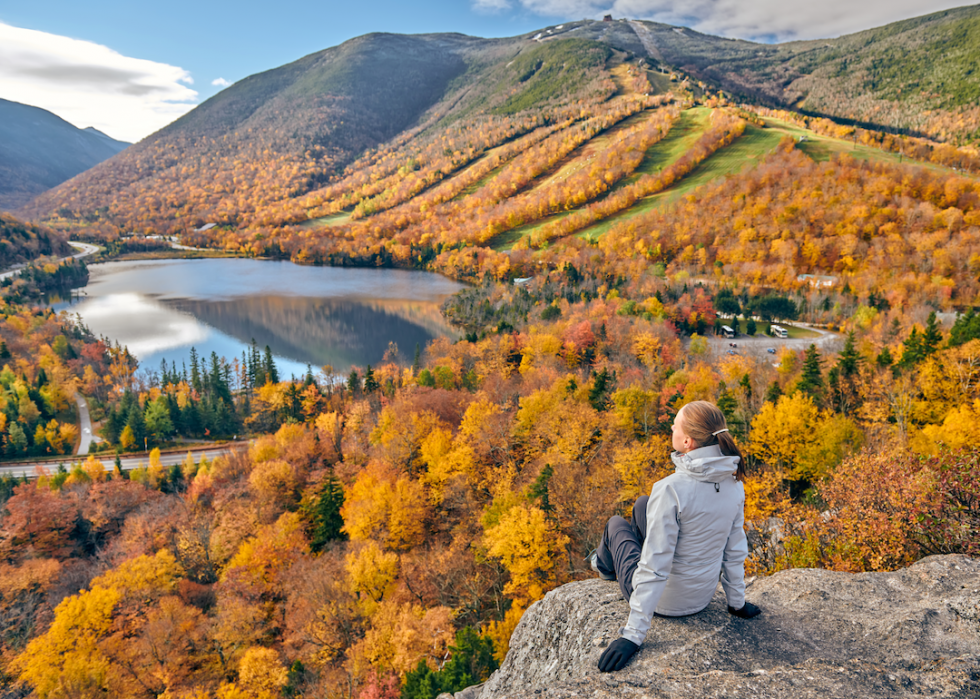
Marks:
<point>773,392</point>
<point>370,383</point>
<point>195,372</point>
<point>966,328</point>
<point>325,515</point>
<point>932,337</point>
<point>271,373</point>
<point>884,358</point>
<point>539,489</point>
<point>849,359</point>
<point>912,349</point>
<point>727,404</point>
<point>119,469</point>
<point>746,384</point>
<point>811,382</point>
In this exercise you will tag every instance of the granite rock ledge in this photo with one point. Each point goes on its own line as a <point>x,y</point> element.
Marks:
<point>910,633</point>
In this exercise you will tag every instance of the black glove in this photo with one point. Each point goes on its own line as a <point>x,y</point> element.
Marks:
<point>617,655</point>
<point>747,611</point>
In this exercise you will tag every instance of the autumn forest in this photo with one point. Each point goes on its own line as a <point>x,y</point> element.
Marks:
<point>383,528</point>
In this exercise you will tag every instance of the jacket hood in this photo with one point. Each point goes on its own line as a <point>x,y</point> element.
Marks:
<point>705,464</point>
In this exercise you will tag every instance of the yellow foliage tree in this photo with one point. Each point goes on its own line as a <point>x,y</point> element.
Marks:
<point>275,481</point>
<point>371,572</point>
<point>401,634</point>
<point>501,631</point>
<point>67,660</point>
<point>960,428</point>
<point>261,673</point>
<point>127,438</point>
<point>640,464</point>
<point>392,511</point>
<point>794,437</point>
<point>529,547</point>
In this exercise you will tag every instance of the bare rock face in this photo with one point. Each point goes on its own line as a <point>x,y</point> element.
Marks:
<point>821,634</point>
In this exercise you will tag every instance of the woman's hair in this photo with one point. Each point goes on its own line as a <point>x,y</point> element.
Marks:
<point>701,419</point>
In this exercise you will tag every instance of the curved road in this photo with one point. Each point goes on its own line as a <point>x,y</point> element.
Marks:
<point>85,249</point>
<point>84,424</point>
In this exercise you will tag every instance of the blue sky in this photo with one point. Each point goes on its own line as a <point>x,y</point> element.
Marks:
<point>130,71</point>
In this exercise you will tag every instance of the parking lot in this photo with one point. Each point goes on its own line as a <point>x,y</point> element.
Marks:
<point>758,345</point>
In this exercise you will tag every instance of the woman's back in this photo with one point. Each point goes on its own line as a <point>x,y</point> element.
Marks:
<point>708,502</point>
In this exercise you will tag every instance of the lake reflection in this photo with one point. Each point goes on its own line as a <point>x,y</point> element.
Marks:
<point>307,315</point>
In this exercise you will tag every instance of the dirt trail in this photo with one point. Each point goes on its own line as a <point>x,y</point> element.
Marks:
<point>646,38</point>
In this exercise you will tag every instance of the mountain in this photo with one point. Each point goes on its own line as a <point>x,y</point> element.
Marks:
<point>284,132</point>
<point>354,133</point>
<point>919,75</point>
<point>39,150</point>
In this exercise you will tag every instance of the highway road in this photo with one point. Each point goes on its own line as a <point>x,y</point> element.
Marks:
<point>128,462</point>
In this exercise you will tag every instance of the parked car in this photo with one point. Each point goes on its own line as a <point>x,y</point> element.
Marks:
<point>771,350</point>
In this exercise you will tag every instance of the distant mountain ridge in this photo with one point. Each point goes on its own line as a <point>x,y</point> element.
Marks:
<point>242,156</point>
<point>40,150</point>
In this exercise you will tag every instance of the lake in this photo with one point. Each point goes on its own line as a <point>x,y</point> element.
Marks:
<point>319,316</point>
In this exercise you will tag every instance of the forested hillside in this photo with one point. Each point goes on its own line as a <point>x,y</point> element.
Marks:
<point>22,242</point>
<point>385,529</point>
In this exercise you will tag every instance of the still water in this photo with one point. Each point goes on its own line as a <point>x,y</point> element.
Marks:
<point>320,316</point>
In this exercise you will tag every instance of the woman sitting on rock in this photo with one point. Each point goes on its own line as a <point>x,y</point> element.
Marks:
<point>683,537</point>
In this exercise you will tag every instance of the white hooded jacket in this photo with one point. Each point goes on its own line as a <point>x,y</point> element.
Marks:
<point>694,537</point>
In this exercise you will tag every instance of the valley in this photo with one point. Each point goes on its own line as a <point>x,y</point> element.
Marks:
<point>470,283</point>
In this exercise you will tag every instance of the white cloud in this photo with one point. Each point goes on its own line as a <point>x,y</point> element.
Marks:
<point>220,82</point>
<point>491,5</point>
<point>746,19</point>
<point>91,85</point>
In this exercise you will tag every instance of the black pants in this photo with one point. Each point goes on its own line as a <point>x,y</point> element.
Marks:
<point>622,542</point>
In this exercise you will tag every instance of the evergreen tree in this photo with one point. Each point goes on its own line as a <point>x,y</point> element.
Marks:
<point>811,382</point>
<point>472,662</point>
<point>325,515</point>
<point>271,373</point>
<point>932,337</point>
<point>727,404</point>
<point>750,327</point>
<point>884,358</point>
<point>256,371</point>
<point>912,352</point>
<point>175,480</point>
<point>119,469</point>
<point>195,372</point>
<point>370,383</point>
<point>773,392</point>
<point>746,385</point>
<point>415,362</point>
<point>966,328</point>
<point>539,489</point>
<point>849,359</point>
<point>113,425</point>
<point>354,382</point>
<point>602,383</point>
<point>135,422</point>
